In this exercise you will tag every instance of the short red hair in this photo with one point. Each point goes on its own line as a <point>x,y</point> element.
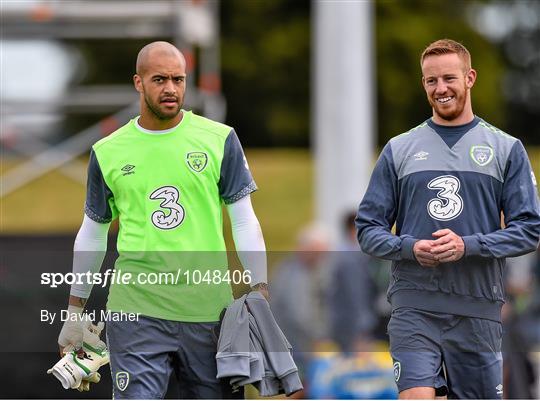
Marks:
<point>447,46</point>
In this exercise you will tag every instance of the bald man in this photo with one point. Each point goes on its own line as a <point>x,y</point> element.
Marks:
<point>160,105</point>
<point>164,175</point>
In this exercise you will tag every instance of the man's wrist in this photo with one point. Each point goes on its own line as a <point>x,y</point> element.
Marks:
<point>260,286</point>
<point>471,245</point>
<point>407,248</point>
<point>263,289</point>
<point>77,301</point>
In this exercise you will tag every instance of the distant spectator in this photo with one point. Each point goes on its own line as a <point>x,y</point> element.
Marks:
<point>298,293</point>
<point>522,327</point>
<point>352,293</point>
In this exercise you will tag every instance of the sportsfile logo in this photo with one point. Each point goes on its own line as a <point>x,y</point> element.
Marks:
<point>190,276</point>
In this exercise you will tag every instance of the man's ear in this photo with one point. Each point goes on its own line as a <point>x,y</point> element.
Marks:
<point>470,78</point>
<point>423,81</point>
<point>137,82</point>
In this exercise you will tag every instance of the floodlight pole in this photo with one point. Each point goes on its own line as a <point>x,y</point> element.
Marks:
<point>343,105</point>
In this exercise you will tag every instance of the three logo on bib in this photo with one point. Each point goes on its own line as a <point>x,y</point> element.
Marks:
<point>481,155</point>
<point>197,161</point>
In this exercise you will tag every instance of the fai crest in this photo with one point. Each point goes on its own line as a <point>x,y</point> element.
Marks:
<point>481,155</point>
<point>197,161</point>
<point>397,371</point>
<point>122,380</point>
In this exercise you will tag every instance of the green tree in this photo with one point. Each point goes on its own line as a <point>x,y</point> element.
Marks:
<point>265,65</point>
<point>403,31</point>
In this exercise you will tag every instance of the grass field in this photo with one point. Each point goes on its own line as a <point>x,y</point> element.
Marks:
<point>534,156</point>
<point>284,202</point>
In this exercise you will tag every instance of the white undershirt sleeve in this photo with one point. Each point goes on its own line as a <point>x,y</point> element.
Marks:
<point>88,253</point>
<point>248,239</point>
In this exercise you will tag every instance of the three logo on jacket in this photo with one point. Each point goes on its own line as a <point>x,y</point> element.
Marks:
<point>448,204</point>
<point>397,371</point>
<point>122,380</point>
<point>421,155</point>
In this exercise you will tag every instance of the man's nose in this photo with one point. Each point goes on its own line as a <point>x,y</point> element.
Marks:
<point>441,87</point>
<point>169,87</point>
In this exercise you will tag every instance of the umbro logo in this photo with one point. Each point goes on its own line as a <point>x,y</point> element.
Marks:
<point>128,169</point>
<point>421,155</point>
<point>499,389</point>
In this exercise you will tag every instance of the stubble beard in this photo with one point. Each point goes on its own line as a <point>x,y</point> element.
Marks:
<point>453,113</point>
<point>160,115</point>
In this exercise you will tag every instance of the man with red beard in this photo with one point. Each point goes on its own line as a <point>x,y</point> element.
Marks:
<point>444,184</point>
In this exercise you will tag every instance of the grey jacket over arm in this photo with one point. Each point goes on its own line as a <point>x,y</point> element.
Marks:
<point>252,349</point>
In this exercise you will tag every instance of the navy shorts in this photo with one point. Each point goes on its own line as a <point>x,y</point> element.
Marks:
<point>146,352</point>
<point>459,356</point>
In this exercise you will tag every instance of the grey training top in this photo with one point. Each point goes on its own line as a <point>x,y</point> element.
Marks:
<point>426,180</point>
